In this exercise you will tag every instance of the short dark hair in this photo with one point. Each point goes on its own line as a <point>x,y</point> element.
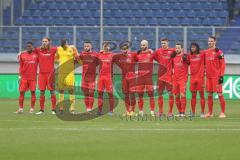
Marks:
<point>164,39</point>
<point>179,44</point>
<point>63,42</point>
<point>30,42</point>
<point>197,46</point>
<point>213,37</point>
<point>87,42</point>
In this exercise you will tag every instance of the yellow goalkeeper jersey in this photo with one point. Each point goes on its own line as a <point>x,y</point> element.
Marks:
<point>65,58</point>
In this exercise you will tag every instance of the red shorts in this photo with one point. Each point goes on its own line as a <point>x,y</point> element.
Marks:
<point>26,85</point>
<point>162,85</point>
<point>127,85</point>
<point>179,87</point>
<point>144,84</point>
<point>46,81</point>
<point>197,85</point>
<point>88,85</point>
<point>105,83</point>
<point>212,85</point>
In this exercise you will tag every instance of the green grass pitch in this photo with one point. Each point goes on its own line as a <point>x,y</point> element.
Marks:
<point>33,137</point>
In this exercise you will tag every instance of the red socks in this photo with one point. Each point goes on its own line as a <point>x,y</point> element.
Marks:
<point>210,104</point>
<point>183,104</point>
<point>42,102</point>
<point>202,101</point>
<point>111,101</point>
<point>193,102</point>
<point>21,100</point>
<point>222,103</point>
<point>140,102</point>
<point>33,99</point>
<point>160,104</point>
<point>127,102</point>
<point>53,100</point>
<point>171,102</point>
<point>178,104</point>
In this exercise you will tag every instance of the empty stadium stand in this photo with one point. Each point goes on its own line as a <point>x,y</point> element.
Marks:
<point>149,13</point>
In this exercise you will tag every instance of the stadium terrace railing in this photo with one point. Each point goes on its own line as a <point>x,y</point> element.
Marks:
<point>13,38</point>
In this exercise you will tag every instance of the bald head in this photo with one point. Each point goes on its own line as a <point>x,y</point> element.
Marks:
<point>144,45</point>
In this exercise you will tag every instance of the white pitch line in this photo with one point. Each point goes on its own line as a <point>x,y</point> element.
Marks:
<point>130,129</point>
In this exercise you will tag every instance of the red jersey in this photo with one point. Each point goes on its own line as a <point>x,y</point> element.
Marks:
<point>215,63</point>
<point>145,62</point>
<point>126,62</point>
<point>180,68</point>
<point>105,61</point>
<point>197,67</point>
<point>163,57</point>
<point>28,64</point>
<point>90,62</point>
<point>46,59</point>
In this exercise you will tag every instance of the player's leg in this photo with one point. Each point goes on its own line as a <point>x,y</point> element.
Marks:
<point>51,88</point>
<point>183,97</point>
<point>171,98</point>
<point>72,100</point>
<point>176,91</point>
<point>20,101</point>
<point>100,95</point>
<point>161,86</point>
<point>91,95</point>
<point>193,89</point>
<point>222,102</point>
<point>109,88</point>
<point>53,101</point>
<point>150,93</point>
<point>202,103</point>
<point>33,101</point>
<point>32,88</point>
<point>42,81</point>
<point>193,102</point>
<point>133,103</point>
<point>125,89</point>
<point>209,89</point>
<point>23,87</point>
<point>85,91</point>
<point>61,100</point>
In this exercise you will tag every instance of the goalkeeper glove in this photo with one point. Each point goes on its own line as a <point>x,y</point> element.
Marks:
<point>220,80</point>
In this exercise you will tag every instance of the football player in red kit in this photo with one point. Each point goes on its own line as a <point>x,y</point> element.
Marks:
<point>46,55</point>
<point>28,64</point>
<point>215,68</point>
<point>180,77</point>
<point>145,59</point>
<point>163,57</point>
<point>126,61</point>
<point>105,58</point>
<point>197,71</point>
<point>90,62</point>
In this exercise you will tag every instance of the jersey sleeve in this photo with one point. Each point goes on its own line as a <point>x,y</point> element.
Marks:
<point>222,63</point>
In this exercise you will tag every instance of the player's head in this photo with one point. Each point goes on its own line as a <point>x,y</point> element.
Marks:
<point>164,43</point>
<point>87,46</point>
<point>106,46</point>
<point>178,48</point>
<point>194,48</point>
<point>29,47</point>
<point>212,42</point>
<point>124,49</point>
<point>63,43</point>
<point>144,45</point>
<point>46,42</point>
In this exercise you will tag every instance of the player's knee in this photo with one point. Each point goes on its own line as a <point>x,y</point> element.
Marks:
<point>220,94</point>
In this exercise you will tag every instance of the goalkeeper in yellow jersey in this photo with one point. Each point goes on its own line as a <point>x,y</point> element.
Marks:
<point>65,56</point>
